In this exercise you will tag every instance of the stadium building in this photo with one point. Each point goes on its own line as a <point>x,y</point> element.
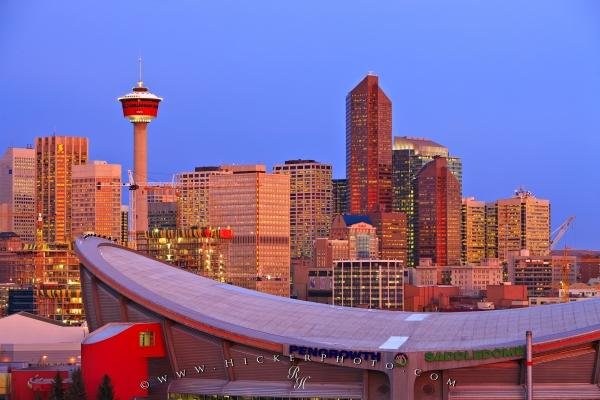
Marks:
<point>182,336</point>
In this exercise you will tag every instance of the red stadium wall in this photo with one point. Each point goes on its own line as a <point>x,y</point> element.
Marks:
<point>21,390</point>
<point>122,358</point>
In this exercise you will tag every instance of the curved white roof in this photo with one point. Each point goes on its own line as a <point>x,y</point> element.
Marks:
<point>196,301</point>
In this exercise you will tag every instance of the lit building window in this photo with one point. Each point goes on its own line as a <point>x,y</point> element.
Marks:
<point>146,339</point>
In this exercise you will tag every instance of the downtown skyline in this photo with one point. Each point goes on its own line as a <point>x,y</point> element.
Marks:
<point>509,125</point>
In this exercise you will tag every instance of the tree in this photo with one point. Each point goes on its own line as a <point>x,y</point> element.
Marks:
<point>57,392</point>
<point>76,391</point>
<point>105,390</point>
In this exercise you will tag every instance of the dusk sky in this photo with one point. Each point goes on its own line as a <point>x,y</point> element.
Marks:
<point>512,87</point>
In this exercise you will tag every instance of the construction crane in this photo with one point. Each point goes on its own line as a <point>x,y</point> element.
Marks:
<point>559,232</point>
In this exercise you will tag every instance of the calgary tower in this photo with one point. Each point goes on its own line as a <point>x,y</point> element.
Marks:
<point>140,107</point>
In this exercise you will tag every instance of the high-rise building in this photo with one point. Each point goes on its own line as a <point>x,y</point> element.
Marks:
<point>409,156</point>
<point>96,199</point>
<point>162,206</point>
<point>439,213</point>
<point>201,251</point>
<point>17,193</point>
<point>310,203</point>
<point>392,232</point>
<point>58,286</point>
<point>491,230</point>
<point>51,272</point>
<point>523,223</point>
<point>340,196</point>
<point>473,231</point>
<point>192,202</point>
<point>55,158</point>
<point>10,243</point>
<point>124,225</point>
<point>369,147</point>
<point>368,284</point>
<point>256,206</point>
<point>140,107</point>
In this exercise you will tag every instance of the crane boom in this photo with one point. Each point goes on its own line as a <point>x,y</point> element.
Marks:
<point>559,232</point>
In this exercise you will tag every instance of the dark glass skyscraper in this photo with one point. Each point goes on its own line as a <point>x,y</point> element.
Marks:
<point>369,147</point>
<point>410,155</point>
<point>340,196</point>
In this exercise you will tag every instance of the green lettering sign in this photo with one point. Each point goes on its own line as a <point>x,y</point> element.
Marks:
<point>499,352</point>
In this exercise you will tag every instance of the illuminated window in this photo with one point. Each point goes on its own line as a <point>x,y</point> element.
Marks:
<point>146,339</point>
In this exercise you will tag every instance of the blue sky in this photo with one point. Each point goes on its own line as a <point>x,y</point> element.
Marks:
<point>512,87</point>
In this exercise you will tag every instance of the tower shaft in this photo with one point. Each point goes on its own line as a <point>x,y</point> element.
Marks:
<point>140,175</point>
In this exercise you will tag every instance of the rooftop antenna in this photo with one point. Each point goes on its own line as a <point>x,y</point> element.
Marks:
<point>140,81</point>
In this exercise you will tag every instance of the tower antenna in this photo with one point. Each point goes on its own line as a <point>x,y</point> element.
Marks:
<point>140,81</point>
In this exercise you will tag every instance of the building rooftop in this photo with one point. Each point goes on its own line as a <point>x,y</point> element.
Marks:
<point>422,146</point>
<point>226,310</point>
<point>25,328</point>
<point>351,219</point>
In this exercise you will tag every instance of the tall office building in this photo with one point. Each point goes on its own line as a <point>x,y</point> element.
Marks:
<point>96,199</point>
<point>310,203</point>
<point>201,251</point>
<point>523,223</point>
<point>409,156</point>
<point>58,285</point>
<point>473,231</point>
<point>256,206</point>
<point>17,193</point>
<point>369,147</point>
<point>192,202</point>
<point>124,225</point>
<point>392,232</point>
<point>491,230</point>
<point>55,158</point>
<point>339,190</point>
<point>162,207</point>
<point>439,213</point>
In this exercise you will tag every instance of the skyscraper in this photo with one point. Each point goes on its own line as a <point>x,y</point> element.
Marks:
<point>17,193</point>
<point>392,231</point>
<point>310,203</point>
<point>473,231</point>
<point>124,225</point>
<point>523,223</point>
<point>340,196</point>
<point>161,199</point>
<point>439,213</point>
<point>256,206</point>
<point>55,158</point>
<point>409,156</point>
<point>192,202</point>
<point>96,197</point>
<point>369,147</point>
<point>491,230</point>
